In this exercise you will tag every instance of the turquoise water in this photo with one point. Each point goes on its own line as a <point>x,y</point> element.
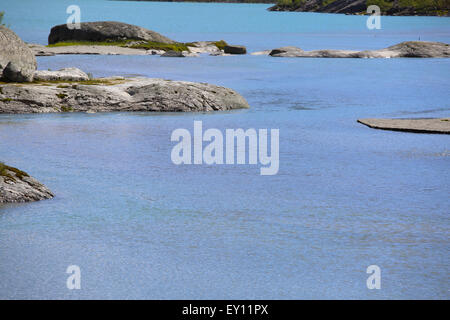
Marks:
<point>345,197</point>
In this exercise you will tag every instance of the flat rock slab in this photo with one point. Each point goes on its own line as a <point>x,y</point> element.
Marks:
<point>104,30</point>
<point>435,125</point>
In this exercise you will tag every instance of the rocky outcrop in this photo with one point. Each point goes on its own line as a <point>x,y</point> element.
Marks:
<point>117,94</point>
<point>436,125</point>
<point>193,49</point>
<point>17,61</point>
<point>104,31</point>
<point>233,49</point>
<point>18,186</point>
<point>173,54</point>
<point>66,74</point>
<point>205,47</point>
<point>409,49</point>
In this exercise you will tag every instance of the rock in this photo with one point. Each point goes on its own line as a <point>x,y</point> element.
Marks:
<point>18,186</point>
<point>173,53</point>
<point>204,47</point>
<point>409,49</point>
<point>66,74</point>
<point>118,94</point>
<point>417,49</point>
<point>235,49</point>
<point>220,53</point>
<point>104,31</point>
<point>410,125</point>
<point>155,52</point>
<point>40,50</point>
<point>261,53</point>
<point>17,61</point>
<point>359,7</point>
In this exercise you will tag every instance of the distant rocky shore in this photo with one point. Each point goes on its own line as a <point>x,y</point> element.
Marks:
<point>18,186</point>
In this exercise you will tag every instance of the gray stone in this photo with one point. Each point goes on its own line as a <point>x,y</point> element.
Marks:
<point>231,49</point>
<point>104,31</point>
<point>18,186</point>
<point>434,125</point>
<point>118,94</point>
<point>17,61</point>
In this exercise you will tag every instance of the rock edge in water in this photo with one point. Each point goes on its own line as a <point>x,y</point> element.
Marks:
<point>435,125</point>
<point>104,30</point>
<point>18,186</point>
<point>117,94</point>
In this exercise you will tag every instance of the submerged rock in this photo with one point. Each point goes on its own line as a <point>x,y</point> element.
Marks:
<point>408,49</point>
<point>104,31</point>
<point>18,186</point>
<point>66,74</point>
<point>17,61</point>
<point>436,125</point>
<point>118,94</point>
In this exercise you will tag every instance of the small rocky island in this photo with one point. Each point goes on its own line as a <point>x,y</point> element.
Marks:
<point>18,186</point>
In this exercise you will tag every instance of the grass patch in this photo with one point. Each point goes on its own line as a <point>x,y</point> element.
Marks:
<point>6,100</point>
